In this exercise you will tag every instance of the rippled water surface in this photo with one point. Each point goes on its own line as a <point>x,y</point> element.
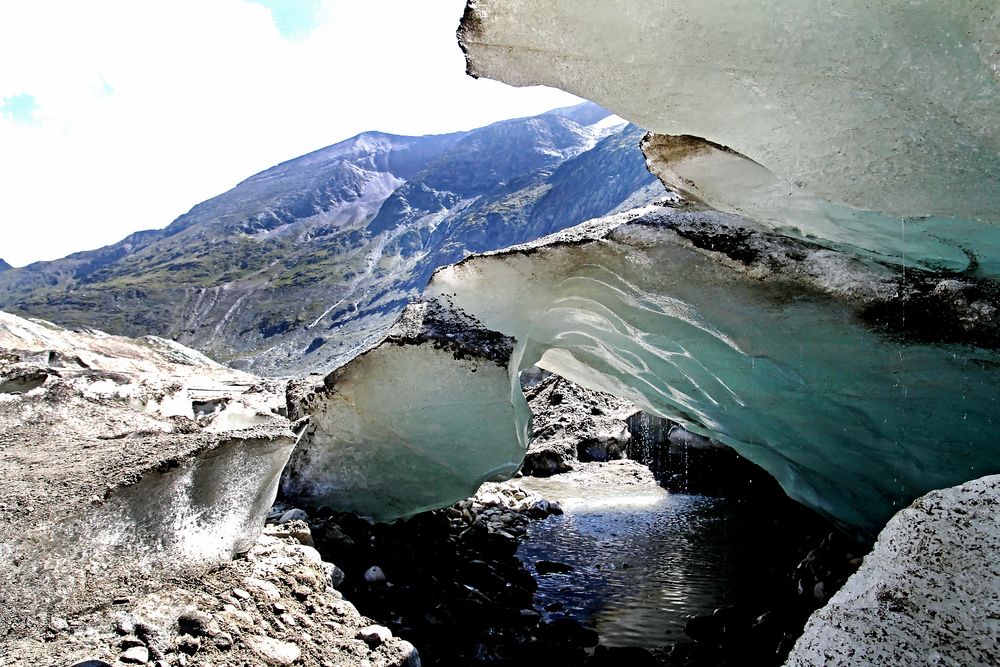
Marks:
<point>644,559</point>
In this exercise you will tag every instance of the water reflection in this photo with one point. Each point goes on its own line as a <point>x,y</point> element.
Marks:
<point>644,559</point>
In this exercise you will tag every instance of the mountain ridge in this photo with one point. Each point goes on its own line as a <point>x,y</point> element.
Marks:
<point>296,266</point>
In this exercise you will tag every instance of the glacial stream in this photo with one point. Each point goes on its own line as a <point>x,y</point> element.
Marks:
<point>644,559</point>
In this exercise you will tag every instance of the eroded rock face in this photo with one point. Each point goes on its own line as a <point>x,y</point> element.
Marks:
<point>112,480</point>
<point>572,424</point>
<point>276,606</point>
<point>928,593</point>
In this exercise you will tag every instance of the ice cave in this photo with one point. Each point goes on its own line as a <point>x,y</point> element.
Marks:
<point>830,312</point>
<point>817,289</point>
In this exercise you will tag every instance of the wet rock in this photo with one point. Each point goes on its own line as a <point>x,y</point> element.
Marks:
<point>544,567</point>
<point>548,458</point>
<point>569,631</point>
<point>137,655</point>
<point>335,576</point>
<point>530,615</point>
<point>617,656</point>
<point>293,515</point>
<point>457,589</point>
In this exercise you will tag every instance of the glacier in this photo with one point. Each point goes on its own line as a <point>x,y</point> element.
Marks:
<point>825,302</point>
<point>416,422</point>
<point>765,342</point>
<point>879,106</point>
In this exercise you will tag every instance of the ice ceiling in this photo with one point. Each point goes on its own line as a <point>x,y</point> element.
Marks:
<point>828,306</point>
<point>883,106</point>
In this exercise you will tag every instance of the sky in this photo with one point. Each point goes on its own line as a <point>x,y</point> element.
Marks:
<point>117,115</point>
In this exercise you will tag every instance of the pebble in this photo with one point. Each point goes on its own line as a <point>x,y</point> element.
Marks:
<point>412,657</point>
<point>137,655</point>
<point>293,515</point>
<point>223,641</point>
<point>344,608</point>
<point>273,651</point>
<point>57,624</point>
<point>375,635</point>
<point>124,623</point>
<point>335,576</point>
<point>241,594</point>
<point>236,617</point>
<point>374,574</point>
<point>130,641</point>
<point>196,623</point>
<point>544,567</point>
<point>266,589</point>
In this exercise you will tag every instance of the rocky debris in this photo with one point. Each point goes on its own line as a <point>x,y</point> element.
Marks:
<point>570,424</point>
<point>107,475</point>
<point>451,582</point>
<point>273,606</point>
<point>544,567</point>
<point>929,591</point>
<point>454,586</point>
<point>622,472</point>
<point>762,632</point>
<point>450,329</point>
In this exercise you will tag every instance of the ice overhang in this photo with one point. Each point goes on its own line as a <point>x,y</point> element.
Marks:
<point>891,107</point>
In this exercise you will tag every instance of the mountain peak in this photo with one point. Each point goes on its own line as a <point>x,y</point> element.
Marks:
<point>296,266</point>
<point>4,265</point>
<point>585,113</point>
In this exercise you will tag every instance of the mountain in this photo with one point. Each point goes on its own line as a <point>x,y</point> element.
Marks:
<point>4,265</point>
<point>295,267</point>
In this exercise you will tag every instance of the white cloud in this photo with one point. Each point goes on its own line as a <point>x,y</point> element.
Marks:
<point>146,108</point>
